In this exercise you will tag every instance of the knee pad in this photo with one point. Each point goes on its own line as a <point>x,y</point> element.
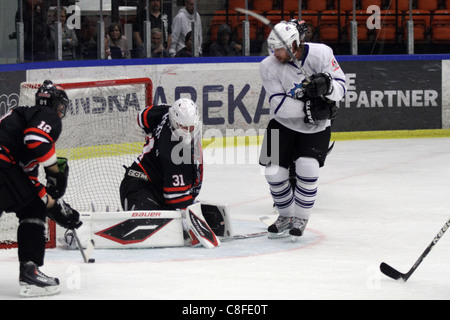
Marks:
<point>276,173</point>
<point>307,167</point>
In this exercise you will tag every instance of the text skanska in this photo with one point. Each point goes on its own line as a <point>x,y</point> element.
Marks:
<point>223,109</point>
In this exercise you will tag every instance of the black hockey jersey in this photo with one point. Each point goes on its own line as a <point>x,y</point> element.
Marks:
<point>174,169</point>
<point>27,138</point>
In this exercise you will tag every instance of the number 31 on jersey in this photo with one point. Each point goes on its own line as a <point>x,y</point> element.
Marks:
<point>178,180</point>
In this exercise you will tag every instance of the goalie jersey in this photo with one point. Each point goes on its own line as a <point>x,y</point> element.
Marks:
<point>282,80</point>
<point>27,138</point>
<point>173,169</point>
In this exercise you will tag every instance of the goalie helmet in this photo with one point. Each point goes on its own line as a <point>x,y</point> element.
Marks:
<point>184,118</point>
<point>52,96</point>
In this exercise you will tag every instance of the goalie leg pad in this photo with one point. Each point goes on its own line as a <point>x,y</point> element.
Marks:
<point>197,224</point>
<point>218,219</point>
<point>132,229</point>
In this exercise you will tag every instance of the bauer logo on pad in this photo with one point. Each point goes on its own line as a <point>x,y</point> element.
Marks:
<point>133,230</point>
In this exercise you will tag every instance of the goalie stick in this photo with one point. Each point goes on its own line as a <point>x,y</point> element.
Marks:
<point>396,275</point>
<point>244,236</point>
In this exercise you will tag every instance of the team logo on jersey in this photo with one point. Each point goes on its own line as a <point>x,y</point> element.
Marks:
<point>133,230</point>
<point>335,64</point>
<point>296,91</point>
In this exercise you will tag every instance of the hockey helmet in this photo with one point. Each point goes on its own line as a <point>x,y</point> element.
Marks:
<point>184,118</point>
<point>52,96</point>
<point>283,35</point>
<point>302,28</point>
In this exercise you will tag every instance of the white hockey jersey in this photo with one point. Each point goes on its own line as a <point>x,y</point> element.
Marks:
<point>280,81</point>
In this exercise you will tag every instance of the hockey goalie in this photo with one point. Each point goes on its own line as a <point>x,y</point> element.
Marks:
<point>159,189</point>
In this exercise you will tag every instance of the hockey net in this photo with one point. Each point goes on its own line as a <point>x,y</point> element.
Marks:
<point>100,136</point>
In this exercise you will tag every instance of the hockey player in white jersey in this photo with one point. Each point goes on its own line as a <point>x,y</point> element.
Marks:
<point>302,94</point>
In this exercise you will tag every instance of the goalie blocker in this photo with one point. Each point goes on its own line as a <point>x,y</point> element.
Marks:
<point>200,224</point>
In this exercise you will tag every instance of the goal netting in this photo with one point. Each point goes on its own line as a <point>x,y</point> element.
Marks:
<point>100,135</point>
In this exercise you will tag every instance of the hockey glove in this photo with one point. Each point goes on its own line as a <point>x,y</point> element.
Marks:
<point>57,182</point>
<point>64,215</point>
<point>319,109</point>
<point>318,85</point>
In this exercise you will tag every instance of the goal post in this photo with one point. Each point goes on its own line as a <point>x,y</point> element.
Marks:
<point>100,136</point>
<point>8,232</point>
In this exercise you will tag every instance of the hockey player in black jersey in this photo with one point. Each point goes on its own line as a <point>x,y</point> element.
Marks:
<point>168,174</point>
<point>27,140</point>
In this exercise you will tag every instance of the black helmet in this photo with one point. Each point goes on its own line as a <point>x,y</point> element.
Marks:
<point>52,96</point>
<point>302,28</point>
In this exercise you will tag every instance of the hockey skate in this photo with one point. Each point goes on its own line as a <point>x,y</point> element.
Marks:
<point>34,283</point>
<point>298,228</point>
<point>279,229</point>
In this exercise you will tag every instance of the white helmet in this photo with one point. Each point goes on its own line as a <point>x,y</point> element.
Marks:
<point>288,33</point>
<point>184,118</point>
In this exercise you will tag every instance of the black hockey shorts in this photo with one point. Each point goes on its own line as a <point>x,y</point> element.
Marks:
<point>137,193</point>
<point>16,189</point>
<point>292,145</point>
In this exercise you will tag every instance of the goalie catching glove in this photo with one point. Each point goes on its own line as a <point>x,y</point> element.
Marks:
<point>57,182</point>
<point>64,215</point>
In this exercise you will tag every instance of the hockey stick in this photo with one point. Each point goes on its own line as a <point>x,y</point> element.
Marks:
<point>396,275</point>
<point>86,255</point>
<point>244,236</point>
<point>267,22</point>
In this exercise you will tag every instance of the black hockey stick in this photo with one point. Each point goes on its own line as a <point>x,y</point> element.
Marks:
<point>86,255</point>
<point>396,275</point>
<point>267,22</point>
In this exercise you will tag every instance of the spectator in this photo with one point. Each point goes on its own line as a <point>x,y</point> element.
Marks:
<point>158,50</point>
<point>186,51</point>
<point>88,39</point>
<point>69,37</point>
<point>157,20</point>
<point>35,27</point>
<point>116,43</point>
<point>224,47</point>
<point>182,24</point>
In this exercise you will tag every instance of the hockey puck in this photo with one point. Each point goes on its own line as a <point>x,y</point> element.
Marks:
<point>91,261</point>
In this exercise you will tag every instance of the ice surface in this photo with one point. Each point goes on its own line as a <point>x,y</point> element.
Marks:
<point>378,200</point>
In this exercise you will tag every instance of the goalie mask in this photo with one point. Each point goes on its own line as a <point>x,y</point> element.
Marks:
<point>52,96</point>
<point>185,119</point>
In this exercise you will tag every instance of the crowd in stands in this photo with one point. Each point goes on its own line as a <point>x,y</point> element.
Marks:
<point>328,21</point>
<point>168,38</point>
